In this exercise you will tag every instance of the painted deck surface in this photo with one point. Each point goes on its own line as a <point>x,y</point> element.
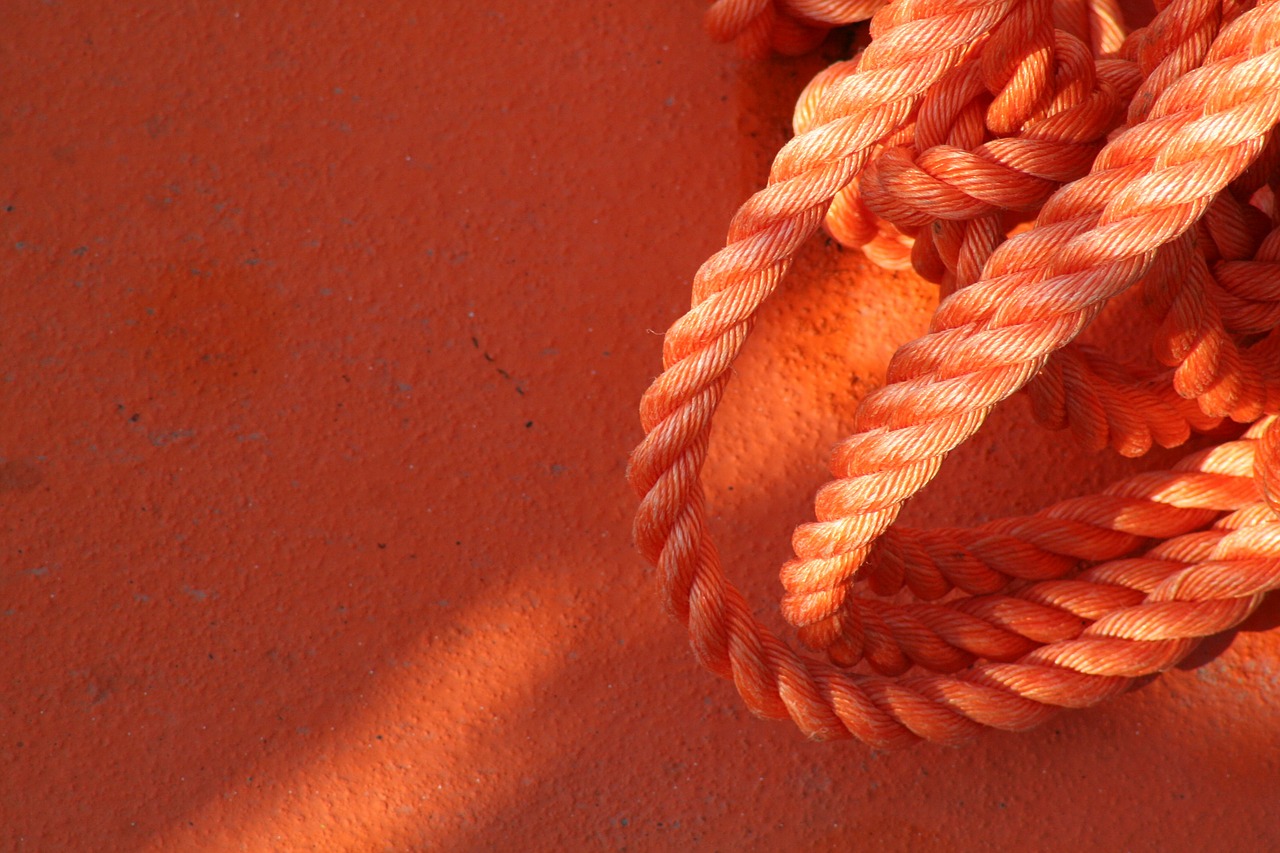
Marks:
<point>324,328</point>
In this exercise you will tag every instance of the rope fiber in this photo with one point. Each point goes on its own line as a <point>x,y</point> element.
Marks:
<point>1035,159</point>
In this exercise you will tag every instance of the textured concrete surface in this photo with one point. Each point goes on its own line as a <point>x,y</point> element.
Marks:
<point>324,326</point>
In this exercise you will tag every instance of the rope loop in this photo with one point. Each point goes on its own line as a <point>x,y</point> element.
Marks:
<point>1036,160</point>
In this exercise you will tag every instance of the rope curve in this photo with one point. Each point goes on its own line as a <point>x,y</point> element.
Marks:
<point>1036,160</point>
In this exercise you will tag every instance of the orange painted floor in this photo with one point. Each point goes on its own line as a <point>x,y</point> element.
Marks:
<point>323,336</point>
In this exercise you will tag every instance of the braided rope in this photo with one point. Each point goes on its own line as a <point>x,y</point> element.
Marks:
<point>1024,630</point>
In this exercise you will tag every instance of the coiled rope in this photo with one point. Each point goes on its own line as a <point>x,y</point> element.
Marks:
<point>1035,159</point>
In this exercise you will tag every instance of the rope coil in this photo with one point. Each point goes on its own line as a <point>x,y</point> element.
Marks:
<point>1036,160</point>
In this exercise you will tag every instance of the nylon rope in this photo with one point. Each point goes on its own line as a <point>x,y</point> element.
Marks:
<point>1035,159</point>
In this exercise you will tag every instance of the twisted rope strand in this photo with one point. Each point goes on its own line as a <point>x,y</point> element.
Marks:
<point>1114,523</point>
<point>1190,587</point>
<point>1092,240</point>
<point>789,27</point>
<point>1200,336</point>
<point>1048,545</point>
<point>926,149</point>
<point>676,410</point>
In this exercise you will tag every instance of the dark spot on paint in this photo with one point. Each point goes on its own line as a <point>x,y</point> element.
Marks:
<point>19,476</point>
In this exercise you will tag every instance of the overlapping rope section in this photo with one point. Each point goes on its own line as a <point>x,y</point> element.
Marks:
<point>1036,159</point>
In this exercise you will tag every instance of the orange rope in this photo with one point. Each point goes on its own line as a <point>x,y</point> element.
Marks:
<point>1036,160</point>
<point>789,27</point>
